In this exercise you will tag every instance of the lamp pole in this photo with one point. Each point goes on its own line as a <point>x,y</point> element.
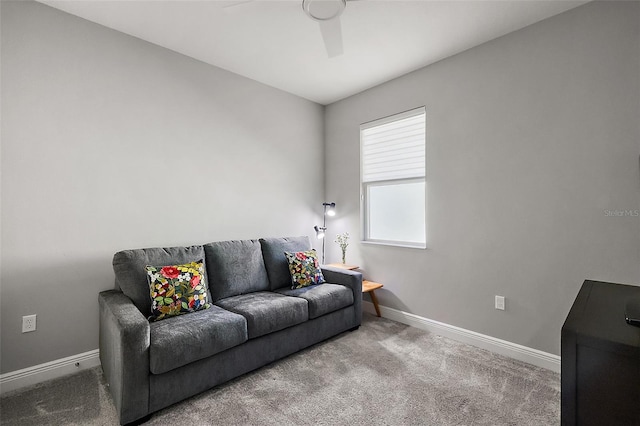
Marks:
<point>328,209</point>
<point>324,228</point>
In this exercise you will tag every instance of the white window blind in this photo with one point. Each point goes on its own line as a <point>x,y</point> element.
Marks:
<point>394,149</point>
<point>393,173</point>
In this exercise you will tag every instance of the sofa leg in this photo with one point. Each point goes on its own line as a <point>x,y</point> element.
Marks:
<point>354,328</point>
<point>140,421</point>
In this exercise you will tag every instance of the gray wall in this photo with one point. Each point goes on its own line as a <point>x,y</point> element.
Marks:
<point>530,138</point>
<point>109,143</point>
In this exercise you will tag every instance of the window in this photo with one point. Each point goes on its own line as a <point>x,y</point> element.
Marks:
<point>393,179</point>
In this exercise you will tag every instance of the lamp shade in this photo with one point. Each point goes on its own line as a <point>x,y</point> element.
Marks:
<point>331,209</point>
<point>319,232</point>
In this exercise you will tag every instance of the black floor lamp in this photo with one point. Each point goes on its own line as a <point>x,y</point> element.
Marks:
<point>329,210</point>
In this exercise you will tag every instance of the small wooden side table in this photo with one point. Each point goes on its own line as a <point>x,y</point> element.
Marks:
<point>367,286</point>
<point>343,266</point>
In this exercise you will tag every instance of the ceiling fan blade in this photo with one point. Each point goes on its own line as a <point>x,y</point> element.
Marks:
<point>331,31</point>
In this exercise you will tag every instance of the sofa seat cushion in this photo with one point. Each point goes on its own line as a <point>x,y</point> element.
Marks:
<point>180,340</point>
<point>322,298</point>
<point>266,311</point>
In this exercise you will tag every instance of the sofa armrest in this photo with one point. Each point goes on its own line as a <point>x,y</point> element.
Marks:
<point>351,279</point>
<point>124,354</point>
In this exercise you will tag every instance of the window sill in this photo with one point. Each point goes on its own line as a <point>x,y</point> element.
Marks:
<point>392,244</point>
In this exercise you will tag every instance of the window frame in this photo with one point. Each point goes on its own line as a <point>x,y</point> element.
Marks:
<point>365,186</point>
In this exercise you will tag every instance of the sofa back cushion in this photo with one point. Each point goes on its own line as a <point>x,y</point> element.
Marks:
<point>275,260</point>
<point>234,268</point>
<point>131,275</point>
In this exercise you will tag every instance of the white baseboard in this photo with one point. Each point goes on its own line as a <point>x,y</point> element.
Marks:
<point>47,371</point>
<point>499,346</point>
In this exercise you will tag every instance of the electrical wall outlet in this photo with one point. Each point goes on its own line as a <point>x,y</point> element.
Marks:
<point>500,302</point>
<point>28,323</point>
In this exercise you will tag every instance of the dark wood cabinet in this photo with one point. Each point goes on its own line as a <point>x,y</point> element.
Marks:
<point>600,358</point>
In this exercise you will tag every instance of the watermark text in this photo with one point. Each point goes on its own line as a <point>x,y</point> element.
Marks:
<point>622,213</point>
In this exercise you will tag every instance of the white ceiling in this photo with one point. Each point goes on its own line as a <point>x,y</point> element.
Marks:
<point>275,43</point>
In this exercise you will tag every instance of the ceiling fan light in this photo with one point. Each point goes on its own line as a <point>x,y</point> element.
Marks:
<point>323,10</point>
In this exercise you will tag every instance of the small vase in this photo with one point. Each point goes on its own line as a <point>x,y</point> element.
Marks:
<point>344,254</point>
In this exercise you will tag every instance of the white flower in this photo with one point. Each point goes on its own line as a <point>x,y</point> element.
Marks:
<point>343,240</point>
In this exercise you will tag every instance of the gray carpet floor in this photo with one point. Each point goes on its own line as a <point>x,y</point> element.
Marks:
<point>386,373</point>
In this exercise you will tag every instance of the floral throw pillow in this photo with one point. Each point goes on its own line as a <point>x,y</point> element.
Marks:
<point>304,268</point>
<point>176,289</point>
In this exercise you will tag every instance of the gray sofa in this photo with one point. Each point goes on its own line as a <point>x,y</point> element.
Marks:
<point>255,319</point>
